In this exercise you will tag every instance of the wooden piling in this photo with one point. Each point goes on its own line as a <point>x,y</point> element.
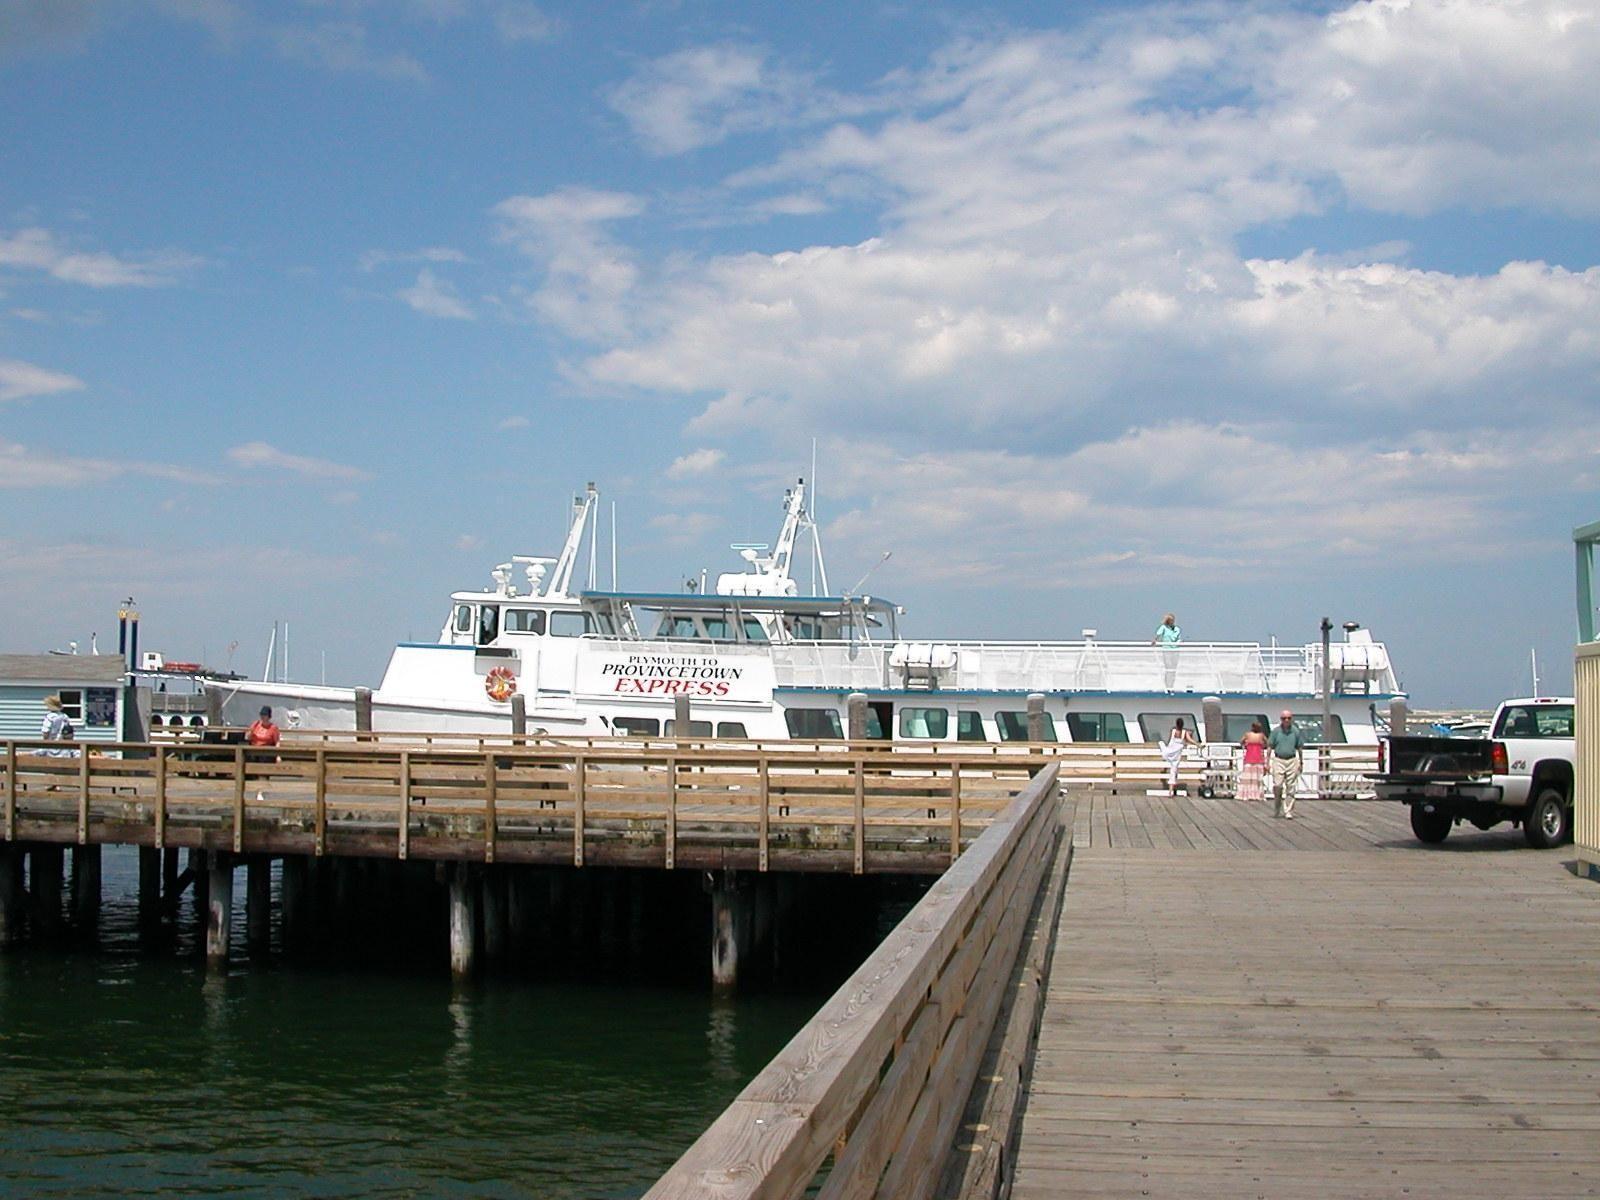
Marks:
<point>463,921</point>
<point>258,903</point>
<point>729,915</point>
<point>45,865</point>
<point>296,900</point>
<point>11,872</point>
<point>85,885</point>
<point>149,886</point>
<point>219,906</point>
<point>1035,716</point>
<point>494,914</point>
<point>363,710</point>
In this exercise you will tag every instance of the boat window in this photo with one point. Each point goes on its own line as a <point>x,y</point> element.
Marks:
<point>717,628</point>
<point>924,722</point>
<point>632,726</point>
<point>1310,724</point>
<point>969,726</point>
<point>731,729</point>
<point>811,723</point>
<point>675,625</point>
<point>696,728</point>
<point>1157,725</point>
<point>1235,726</point>
<point>524,620</point>
<point>1535,721</point>
<point>602,622</point>
<point>570,624</point>
<point>753,632</point>
<point>463,618</point>
<point>488,624</point>
<point>805,629</point>
<point>1013,726</point>
<point>1097,727</point>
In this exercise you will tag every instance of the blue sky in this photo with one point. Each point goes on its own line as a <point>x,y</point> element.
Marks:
<point>314,310</point>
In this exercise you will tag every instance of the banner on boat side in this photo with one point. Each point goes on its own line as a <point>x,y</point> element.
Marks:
<point>667,676</point>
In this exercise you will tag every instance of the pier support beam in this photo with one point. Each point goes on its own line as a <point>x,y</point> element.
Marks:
<point>730,931</point>
<point>219,906</point>
<point>463,921</point>
<point>169,876</point>
<point>258,903</point>
<point>149,886</point>
<point>494,913</point>
<point>85,885</point>
<point>197,870</point>
<point>856,715</point>
<point>1397,716</point>
<point>11,871</point>
<point>296,900</point>
<point>1035,717</point>
<point>44,881</point>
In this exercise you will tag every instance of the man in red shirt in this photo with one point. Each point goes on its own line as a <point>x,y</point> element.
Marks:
<point>263,732</point>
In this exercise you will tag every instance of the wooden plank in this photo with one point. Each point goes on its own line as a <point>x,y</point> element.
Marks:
<point>238,799</point>
<point>161,797</point>
<point>83,796</point>
<point>860,833</point>
<point>670,835</point>
<point>11,792</point>
<point>320,812</point>
<point>491,815</point>
<point>955,811</point>
<point>764,828</point>
<point>403,817</point>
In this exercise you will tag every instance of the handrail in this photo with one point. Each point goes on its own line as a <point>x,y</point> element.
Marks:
<point>881,1074</point>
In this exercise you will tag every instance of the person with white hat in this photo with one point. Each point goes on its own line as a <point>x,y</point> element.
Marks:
<point>56,726</point>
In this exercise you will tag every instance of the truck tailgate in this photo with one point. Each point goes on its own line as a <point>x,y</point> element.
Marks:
<point>1439,758</point>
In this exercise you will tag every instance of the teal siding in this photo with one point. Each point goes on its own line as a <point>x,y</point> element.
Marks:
<point>22,711</point>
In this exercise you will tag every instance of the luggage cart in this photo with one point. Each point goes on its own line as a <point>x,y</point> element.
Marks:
<point>1220,774</point>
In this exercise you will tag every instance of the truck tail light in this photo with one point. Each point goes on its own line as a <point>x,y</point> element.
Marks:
<point>1500,763</point>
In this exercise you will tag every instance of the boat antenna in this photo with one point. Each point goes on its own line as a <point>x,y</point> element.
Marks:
<point>272,651</point>
<point>613,545</point>
<point>814,516</point>
<point>887,554</point>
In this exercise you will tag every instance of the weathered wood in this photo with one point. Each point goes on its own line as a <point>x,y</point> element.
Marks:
<point>83,796</point>
<point>490,797</point>
<point>85,884</point>
<point>404,816</point>
<point>670,836</point>
<point>579,820</point>
<point>238,798</point>
<point>955,811</point>
<point>11,792</point>
<point>258,902</point>
<point>320,816</point>
<point>161,796</point>
<point>764,822</point>
<point>859,838</point>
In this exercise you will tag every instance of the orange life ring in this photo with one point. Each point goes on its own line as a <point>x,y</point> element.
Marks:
<point>500,684</point>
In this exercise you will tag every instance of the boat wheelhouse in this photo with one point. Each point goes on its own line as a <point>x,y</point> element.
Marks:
<point>756,659</point>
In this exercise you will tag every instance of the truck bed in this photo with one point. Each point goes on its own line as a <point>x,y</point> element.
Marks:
<point>1442,759</point>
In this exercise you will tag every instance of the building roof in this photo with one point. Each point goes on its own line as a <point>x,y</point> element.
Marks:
<point>61,668</point>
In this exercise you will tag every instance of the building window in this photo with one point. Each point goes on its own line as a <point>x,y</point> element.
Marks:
<point>634,726</point>
<point>810,724</point>
<point>72,704</point>
<point>969,726</point>
<point>1013,726</point>
<point>924,722</point>
<point>1097,727</point>
<point>524,620</point>
<point>731,729</point>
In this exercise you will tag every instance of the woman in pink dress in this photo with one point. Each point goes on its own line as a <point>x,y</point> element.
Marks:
<point>1255,763</point>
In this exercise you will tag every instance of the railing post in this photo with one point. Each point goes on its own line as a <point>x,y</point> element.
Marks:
<point>161,797</point>
<point>955,810</point>
<point>672,811</point>
<point>489,797</point>
<point>238,798</point>
<point>861,816</point>
<point>404,846</point>
<point>764,771</point>
<point>11,793</point>
<point>579,773</point>
<point>320,816</point>
<point>83,796</point>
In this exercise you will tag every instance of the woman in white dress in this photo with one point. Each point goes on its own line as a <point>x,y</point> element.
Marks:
<point>1172,752</point>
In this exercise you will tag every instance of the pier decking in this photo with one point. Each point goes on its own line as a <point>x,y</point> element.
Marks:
<point>1243,1006</point>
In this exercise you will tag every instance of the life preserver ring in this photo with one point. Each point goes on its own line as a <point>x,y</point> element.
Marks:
<point>500,684</point>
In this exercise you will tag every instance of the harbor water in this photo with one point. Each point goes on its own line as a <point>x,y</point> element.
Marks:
<point>130,1070</point>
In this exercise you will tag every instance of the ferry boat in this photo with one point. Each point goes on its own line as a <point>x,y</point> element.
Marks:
<point>757,659</point>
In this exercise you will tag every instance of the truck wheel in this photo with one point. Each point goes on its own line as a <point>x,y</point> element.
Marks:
<point>1430,827</point>
<point>1548,821</point>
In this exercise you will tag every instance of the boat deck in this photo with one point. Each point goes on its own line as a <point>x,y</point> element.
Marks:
<point>1244,1006</point>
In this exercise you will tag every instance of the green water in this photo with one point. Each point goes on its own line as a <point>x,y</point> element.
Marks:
<point>131,1072</point>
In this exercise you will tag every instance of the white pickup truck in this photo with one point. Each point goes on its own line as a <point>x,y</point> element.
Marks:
<point>1522,773</point>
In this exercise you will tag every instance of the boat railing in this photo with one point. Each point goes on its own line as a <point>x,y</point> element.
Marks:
<point>1087,666</point>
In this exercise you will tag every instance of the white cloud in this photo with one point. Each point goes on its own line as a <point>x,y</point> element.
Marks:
<point>39,250</point>
<point>588,276</point>
<point>343,46</point>
<point>22,467</point>
<point>696,462</point>
<point>515,422</point>
<point>261,456</point>
<point>468,541</point>
<point>373,259</point>
<point>435,297</point>
<point>21,379</point>
<point>518,21</point>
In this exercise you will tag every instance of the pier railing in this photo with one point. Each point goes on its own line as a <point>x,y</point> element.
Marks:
<point>869,1091</point>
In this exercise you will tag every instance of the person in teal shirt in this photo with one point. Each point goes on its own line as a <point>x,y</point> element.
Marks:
<point>1168,635</point>
<point>1285,743</point>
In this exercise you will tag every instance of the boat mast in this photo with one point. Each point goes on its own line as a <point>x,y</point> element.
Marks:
<point>582,507</point>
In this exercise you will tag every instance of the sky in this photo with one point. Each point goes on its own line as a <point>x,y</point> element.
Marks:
<point>312,311</point>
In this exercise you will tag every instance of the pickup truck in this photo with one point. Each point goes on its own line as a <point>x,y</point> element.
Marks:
<point>1522,773</point>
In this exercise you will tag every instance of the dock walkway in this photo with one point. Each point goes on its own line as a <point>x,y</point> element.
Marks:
<point>1241,1006</point>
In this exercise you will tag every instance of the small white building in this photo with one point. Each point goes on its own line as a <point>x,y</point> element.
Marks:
<point>94,690</point>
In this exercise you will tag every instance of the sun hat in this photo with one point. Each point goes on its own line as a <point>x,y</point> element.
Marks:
<point>53,702</point>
